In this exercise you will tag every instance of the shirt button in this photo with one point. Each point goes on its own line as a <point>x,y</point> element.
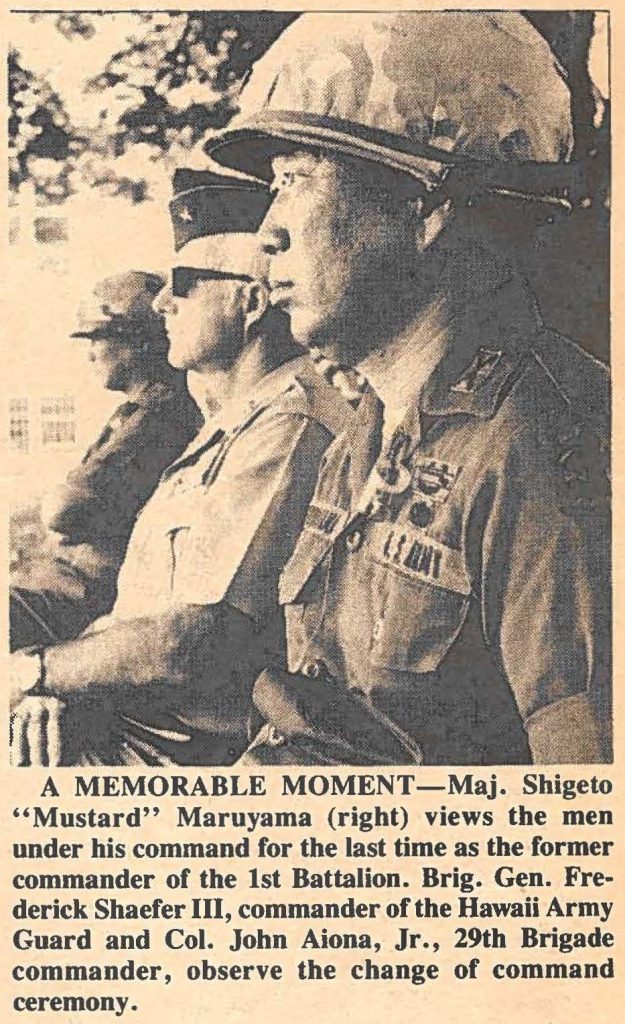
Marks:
<point>313,669</point>
<point>377,630</point>
<point>353,540</point>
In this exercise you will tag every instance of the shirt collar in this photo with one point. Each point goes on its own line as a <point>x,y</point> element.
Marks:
<point>141,393</point>
<point>399,371</point>
<point>462,350</point>
<point>263,393</point>
<point>234,415</point>
<point>483,349</point>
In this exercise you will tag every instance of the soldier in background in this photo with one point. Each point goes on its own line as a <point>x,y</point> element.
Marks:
<point>167,678</point>
<point>91,515</point>
<point>453,575</point>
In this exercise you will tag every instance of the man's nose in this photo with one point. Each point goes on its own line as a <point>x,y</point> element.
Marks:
<point>274,236</point>
<point>164,301</point>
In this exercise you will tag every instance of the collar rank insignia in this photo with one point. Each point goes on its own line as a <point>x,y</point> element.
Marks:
<point>184,214</point>
<point>478,372</point>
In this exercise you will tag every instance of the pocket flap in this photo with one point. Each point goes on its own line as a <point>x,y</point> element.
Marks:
<point>322,525</point>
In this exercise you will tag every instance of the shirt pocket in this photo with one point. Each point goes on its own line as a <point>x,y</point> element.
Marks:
<point>203,563</point>
<point>170,533</point>
<point>420,593</point>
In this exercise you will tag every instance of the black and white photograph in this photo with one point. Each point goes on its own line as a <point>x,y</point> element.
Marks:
<point>307,388</point>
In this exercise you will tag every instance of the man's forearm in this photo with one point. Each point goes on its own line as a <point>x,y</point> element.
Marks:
<point>43,617</point>
<point>168,647</point>
<point>63,594</point>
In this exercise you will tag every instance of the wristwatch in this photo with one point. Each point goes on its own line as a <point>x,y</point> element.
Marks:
<point>28,671</point>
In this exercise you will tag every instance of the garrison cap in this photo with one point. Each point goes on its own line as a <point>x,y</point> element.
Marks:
<point>419,92</point>
<point>206,203</point>
<point>121,306</point>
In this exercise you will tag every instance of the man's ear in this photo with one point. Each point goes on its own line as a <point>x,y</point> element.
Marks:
<point>255,302</point>
<point>432,223</point>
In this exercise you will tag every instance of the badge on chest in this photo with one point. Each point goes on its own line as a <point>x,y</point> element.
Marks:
<point>400,476</point>
<point>432,482</point>
<point>411,552</point>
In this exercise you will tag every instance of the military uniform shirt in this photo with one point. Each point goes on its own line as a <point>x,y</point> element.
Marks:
<point>92,514</point>
<point>468,599</point>
<point>220,527</point>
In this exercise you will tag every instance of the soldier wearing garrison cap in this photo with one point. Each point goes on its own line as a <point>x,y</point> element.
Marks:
<point>453,576</point>
<point>91,515</point>
<point>167,678</point>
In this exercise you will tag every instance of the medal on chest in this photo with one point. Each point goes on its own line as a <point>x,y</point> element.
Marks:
<point>432,482</point>
<point>398,481</point>
<point>389,480</point>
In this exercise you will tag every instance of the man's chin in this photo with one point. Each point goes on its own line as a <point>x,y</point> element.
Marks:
<point>111,381</point>
<point>309,331</point>
<point>327,338</point>
<point>176,357</point>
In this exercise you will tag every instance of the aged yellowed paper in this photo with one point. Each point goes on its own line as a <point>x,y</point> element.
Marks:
<point>311,455</point>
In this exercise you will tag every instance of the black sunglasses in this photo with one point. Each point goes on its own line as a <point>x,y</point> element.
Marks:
<point>183,279</point>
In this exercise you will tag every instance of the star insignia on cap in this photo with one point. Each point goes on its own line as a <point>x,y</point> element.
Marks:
<point>184,214</point>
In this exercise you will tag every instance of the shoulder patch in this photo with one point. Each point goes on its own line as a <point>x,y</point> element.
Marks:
<point>584,469</point>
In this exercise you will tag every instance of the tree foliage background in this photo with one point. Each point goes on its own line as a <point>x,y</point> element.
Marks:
<point>143,113</point>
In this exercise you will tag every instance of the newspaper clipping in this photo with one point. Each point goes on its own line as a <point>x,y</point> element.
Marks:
<point>308,458</point>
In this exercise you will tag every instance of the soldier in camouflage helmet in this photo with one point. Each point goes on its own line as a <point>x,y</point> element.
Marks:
<point>91,514</point>
<point>452,576</point>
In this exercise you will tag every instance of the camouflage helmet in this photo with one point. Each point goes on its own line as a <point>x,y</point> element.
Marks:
<point>120,307</point>
<point>419,92</point>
